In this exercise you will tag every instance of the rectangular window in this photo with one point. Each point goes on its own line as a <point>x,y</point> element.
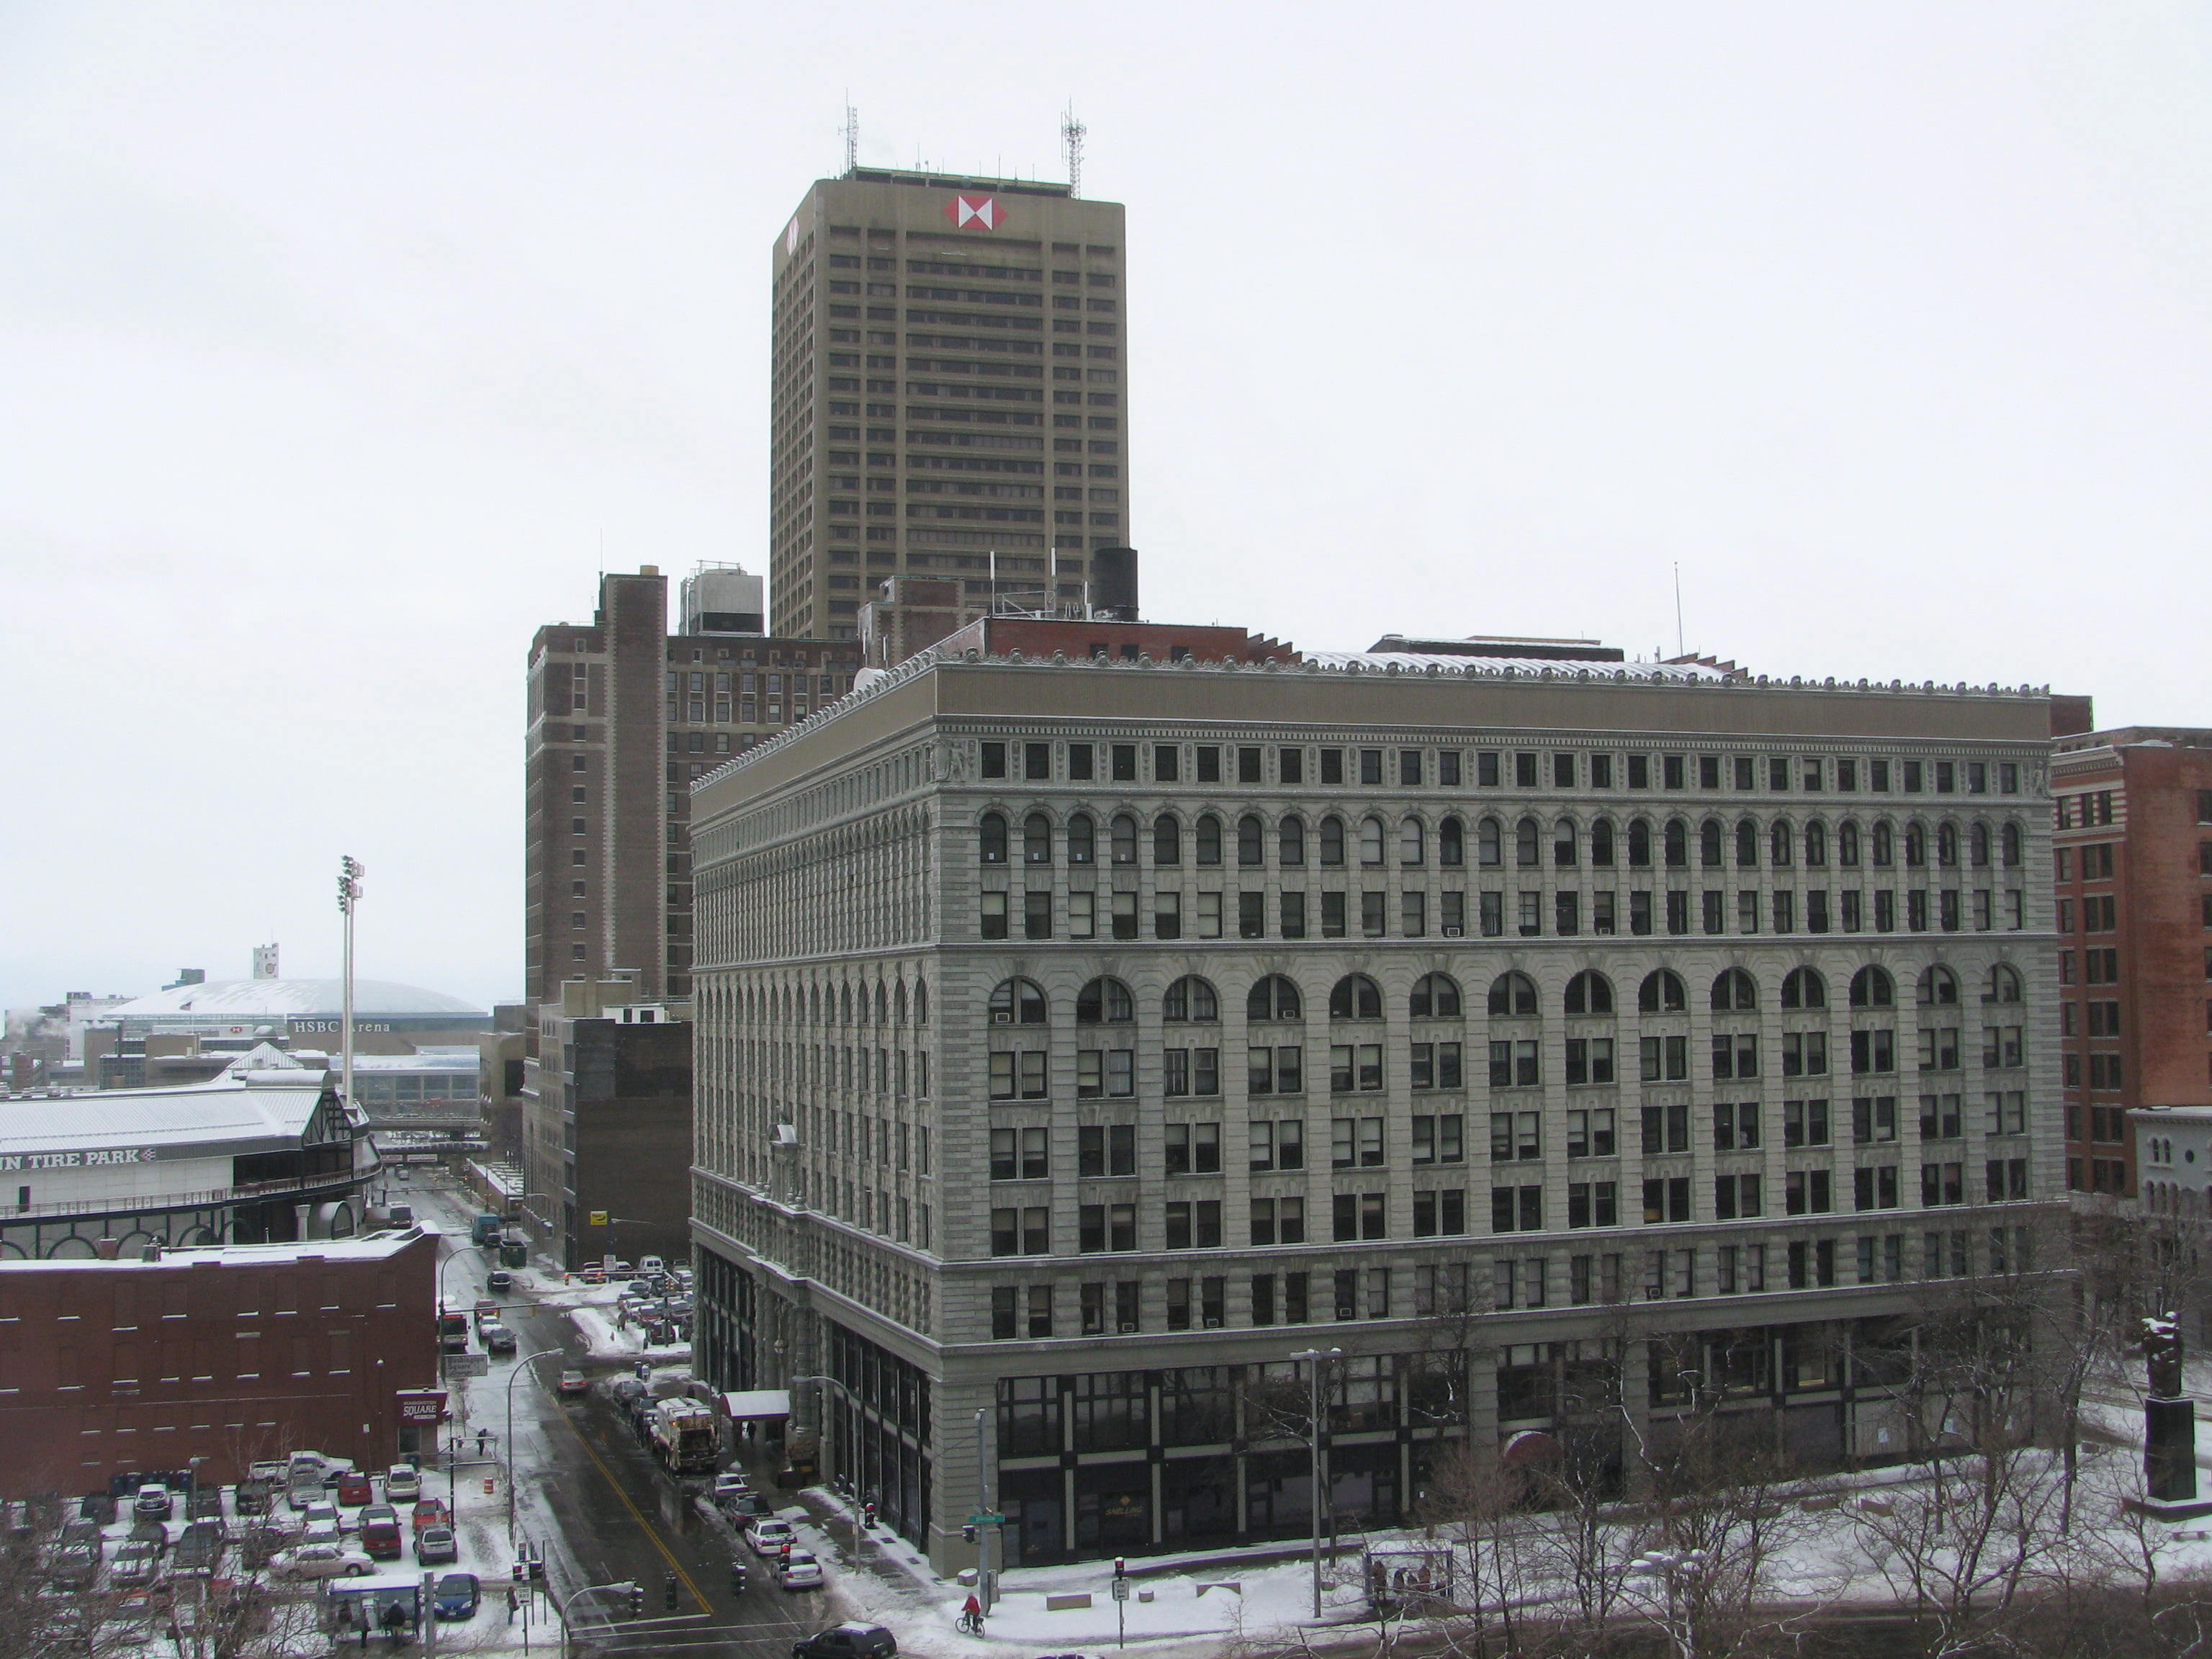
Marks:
<point>1593,1204</point>
<point>1805,1124</point>
<point>1806,1192</point>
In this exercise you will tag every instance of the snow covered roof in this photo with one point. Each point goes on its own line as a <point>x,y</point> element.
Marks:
<point>291,998</point>
<point>424,1060</point>
<point>1416,662</point>
<point>273,1106</point>
<point>363,1247</point>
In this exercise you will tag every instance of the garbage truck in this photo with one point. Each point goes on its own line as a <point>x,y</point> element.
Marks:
<point>686,1436</point>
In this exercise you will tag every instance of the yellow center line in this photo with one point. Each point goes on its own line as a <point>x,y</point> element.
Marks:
<point>636,1514</point>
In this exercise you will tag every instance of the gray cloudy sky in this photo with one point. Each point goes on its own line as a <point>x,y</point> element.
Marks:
<point>336,341</point>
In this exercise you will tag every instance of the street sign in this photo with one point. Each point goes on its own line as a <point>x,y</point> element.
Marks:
<point>467,1364</point>
<point>988,1518</point>
<point>1121,1590</point>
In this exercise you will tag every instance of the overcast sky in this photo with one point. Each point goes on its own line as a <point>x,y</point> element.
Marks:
<point>340,346</point>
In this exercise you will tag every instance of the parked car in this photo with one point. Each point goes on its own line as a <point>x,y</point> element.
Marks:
<point>76,1558</point>
<point>486,1311</point>
<point>456,1596</point>
<point>651,1266</point>
<point>731,1483</point>
<point>435,1544</point>
<point>625,1389</point>
<point>138,1562</point>
<point>800,1570</point>
<point>272,1469</point>
<point>153,1502</point>
<point>318,1524</point>
<point>497,1279</point>
<point>642,1287</point>
<point>251,1497</point>
<point>403,1484</point>
<point>261,1544</point>
<point>767,1535</point>
<point>199,1549</point>
<point>573,1382</point>
<point>850,1640</point>
<point>379,1532</point>
<point>497,1339</point>
<point>321,1561</point>
<point>431,1512</point>
<point>355,1490</point>
<point>98,1506</point>
<point>746,1507</point>
<point>145,1530</point>
<point>591,1276</point>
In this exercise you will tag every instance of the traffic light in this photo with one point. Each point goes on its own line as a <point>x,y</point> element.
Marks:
<point>969,1533</point>
<point>1121,1568</point>
<point>637,1601</point>
<point>868,1514</point>
<point>668,1592</point>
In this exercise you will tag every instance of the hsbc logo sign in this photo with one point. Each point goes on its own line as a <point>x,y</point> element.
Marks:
<point>975,212</point>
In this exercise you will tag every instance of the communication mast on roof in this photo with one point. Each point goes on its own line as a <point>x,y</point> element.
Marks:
<point>851,135</point>
<point>1071,133</point>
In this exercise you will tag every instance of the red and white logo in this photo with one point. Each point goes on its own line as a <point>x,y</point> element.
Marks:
<point>982,212</point>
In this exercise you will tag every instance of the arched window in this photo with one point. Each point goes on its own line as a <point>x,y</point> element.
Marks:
<point>1191,999</point>
<point>1489,843</point>
<point>921,1002</point>
<point>1747,845</point>
<point>1513,995</point>
<point>1640,843</point>
<point>1601,843</point>
<point>1037,839</point>
<point>1104,1001</point>
<point>1708,844</point>
<point>1734,992</point>
<point>1590,992</point>
<point>1803,988</point>
<point>1206,836</point>
<point>1167,840</point>
<point>1566,844</point>
<point>1527,849</point>
<point>1273,998</point>
<point>991,837</point>
<point>1872,987</point>
<point>1451,843</point>
<point>1332,841</point>
<point>1291,842</point>
<point>2012,846</point>
<point>1780,846</point>
<point>1915,845</point>
<point>1939,988</point>
<point>1125,838</point>
<point>1663,993</point>
<point>1251,841</point>
<point>1678,844</point>
<point>1847,844</point>
<point>1885,847</point>
<point>1979,845</point>
<point>1435,996</point>
<point>1816,845</point>
<point>1018,1002</point>
<point>1370,841</point>
<point>2004,985</point>
<point>845,1004</point>
<point>1413,842</point>
<point>1082,839</point>
<point>1355,997</point>
<point>1947,846</point>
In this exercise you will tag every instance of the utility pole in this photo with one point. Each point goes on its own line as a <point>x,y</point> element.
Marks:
<point>350,871</point>
<point>985,1582</point>
<point>1318,1357</point>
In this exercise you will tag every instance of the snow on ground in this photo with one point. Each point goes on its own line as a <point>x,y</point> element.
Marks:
<point>608,1340</point>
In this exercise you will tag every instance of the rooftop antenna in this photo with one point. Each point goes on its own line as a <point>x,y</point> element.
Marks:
<point>1681,649</point>
<point>852,135</point>
<point>1072,134</point>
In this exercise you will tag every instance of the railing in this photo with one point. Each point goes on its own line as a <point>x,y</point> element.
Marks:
<point>155,1203</point>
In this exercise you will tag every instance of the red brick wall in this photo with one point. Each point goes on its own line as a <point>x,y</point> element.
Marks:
<point>109,1368</point>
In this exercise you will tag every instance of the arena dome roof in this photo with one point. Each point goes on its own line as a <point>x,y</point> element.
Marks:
<point>293,999</point>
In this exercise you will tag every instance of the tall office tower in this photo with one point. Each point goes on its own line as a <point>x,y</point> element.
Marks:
<point>1082,1034</point>
<point>949,383</point>
<point>2134,867</point>
<point>623,715</point>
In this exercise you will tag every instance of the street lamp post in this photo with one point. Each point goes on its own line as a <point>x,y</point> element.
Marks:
<point>350,871</point>
<point>521,1365</point>
<point>1676,1571</point>
<point>826,1439</point>
<point>1318,1357</point>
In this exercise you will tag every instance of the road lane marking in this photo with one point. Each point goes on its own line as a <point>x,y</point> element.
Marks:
<point>636,1514</point>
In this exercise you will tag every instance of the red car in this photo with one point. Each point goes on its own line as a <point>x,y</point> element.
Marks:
<point>354,1489</point>
<point>431,1512</point>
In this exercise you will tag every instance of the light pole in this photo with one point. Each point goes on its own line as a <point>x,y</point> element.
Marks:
<point>350,871</point>
<point>985,1530</point>
<point>521,1365</point>
<point>1320,1357</point>
<point>1674,1570</point>
<point>826,1438</point>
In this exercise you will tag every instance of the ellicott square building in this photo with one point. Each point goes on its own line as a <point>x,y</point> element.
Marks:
<point>1082,1034</point>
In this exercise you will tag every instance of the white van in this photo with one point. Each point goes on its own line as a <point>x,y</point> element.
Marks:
<point>649,1265</point>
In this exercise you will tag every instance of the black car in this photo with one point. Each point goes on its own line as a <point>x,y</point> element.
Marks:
<point>205,1504</point>
<point>99,1506</point>
<point>252,1497</point>
<point>851,1640</point>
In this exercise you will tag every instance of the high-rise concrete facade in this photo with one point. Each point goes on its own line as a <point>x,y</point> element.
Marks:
<point>1080,1038</point>
<point>949,392</point>
<point>2134,868</point>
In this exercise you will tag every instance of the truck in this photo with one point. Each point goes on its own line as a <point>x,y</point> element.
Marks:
<point>485,1229</point>
<point>686,1436</point>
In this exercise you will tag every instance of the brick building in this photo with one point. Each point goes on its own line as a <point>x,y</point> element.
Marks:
<point>2133,862</point>
<point>225,1355</point>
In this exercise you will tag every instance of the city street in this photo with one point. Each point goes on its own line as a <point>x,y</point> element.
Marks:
<point>617,1518</point>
